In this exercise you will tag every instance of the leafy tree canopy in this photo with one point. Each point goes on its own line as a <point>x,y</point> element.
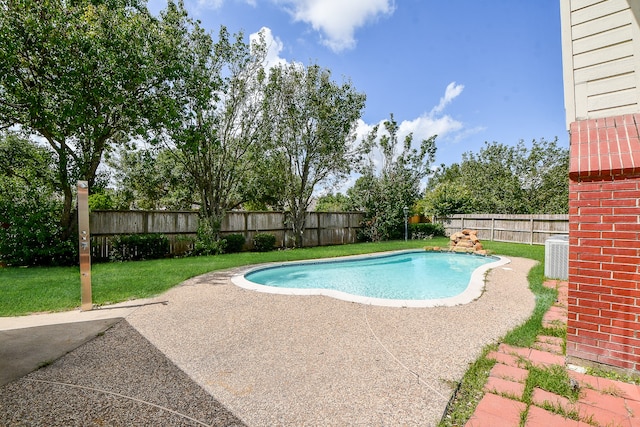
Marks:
<point>83,75</point>
<point>503,179</point>
<point>310,124</point>
<point>153,178</point>
<point>333,203</point>
<point>216,134</point>
<point>383,194</point>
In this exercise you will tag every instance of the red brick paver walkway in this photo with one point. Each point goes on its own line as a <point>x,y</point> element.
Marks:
<point>602,402</point>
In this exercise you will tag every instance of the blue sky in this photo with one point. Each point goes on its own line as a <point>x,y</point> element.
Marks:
<point>470,71</point>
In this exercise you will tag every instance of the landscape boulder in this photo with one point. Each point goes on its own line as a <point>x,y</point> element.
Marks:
<point>465,241</point>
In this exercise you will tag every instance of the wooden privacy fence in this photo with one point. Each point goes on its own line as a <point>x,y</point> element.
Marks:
<point>180,227</point>
<point>531,229</point>
<point>321,228</point>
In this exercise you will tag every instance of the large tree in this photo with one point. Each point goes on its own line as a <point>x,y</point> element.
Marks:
<point>216,134</point>
<point>311,125</point>
<point>546,177</point>
<point>391,174</point>
<point>503,179</point>
<point>150,178</point>
<point>83,75</point>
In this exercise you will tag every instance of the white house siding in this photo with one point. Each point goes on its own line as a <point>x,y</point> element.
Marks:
<point>601,57</point>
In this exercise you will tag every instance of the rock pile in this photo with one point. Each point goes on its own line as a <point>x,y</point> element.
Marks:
<point>465,241</point>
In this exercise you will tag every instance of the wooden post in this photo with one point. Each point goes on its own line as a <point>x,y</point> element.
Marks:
<point>84,246</point>
<point>531,236</point>
<point>245,216</point>
<point>493,228</point>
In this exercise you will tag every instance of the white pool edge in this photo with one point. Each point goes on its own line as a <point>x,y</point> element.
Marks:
<point>473,291</point>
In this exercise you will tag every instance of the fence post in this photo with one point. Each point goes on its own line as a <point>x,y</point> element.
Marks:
<point>246,225</point>
<point>531,234</point>
<point>318,234</point>
<point>493,226</point>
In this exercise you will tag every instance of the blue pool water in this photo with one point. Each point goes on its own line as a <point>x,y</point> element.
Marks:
<point>404,276</point>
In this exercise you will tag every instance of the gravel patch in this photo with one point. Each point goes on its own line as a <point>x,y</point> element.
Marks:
<point>313,360</point>
<point>117,379</point>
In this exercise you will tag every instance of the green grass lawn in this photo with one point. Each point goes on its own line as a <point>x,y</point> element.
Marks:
<point>47,289</point>
<point>39,289</point>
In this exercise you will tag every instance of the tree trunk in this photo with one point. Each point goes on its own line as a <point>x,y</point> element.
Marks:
<point>297,226</point>
<point>213,214</point>
<point>67,221</point>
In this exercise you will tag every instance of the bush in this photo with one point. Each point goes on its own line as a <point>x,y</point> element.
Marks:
<point>137,247</point>
<point>235,242</point>
<point>426,231</point>
<point>264,242</point>
<point>206,242</point>
<point>209,247</point>
<point>29,230</point>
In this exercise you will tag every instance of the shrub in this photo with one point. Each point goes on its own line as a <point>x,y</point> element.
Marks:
<point>29,230</point>
<point>209,247</point>
<point>206,242</point>
<point>30,207</point>
<point>136,247</point>
<point>235,242</point>
<point>264,242</point>
<point>426,231</point>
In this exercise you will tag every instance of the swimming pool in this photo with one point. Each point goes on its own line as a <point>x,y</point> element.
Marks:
<point>400,279</point>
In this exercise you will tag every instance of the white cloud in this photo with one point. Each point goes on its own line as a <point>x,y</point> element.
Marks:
<point>362,130</point>
<point>274,46</point>
<point>427,125</point>
<point>465,133</point>
<point>217,4</point>
<point>210,4</point>
<point>337,20</point>
<point>434,123</point>
<point>423,127</point>
<point>452,91</point>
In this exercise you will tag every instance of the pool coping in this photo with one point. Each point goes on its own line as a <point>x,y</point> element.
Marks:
<point>473,290</point>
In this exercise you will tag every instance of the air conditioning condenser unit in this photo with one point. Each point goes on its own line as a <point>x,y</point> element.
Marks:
<point>556,257</point>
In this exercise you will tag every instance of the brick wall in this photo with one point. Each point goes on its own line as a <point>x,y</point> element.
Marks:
<point>604,242</point>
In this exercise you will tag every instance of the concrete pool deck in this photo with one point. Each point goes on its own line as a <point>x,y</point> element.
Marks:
<point>222,355</point>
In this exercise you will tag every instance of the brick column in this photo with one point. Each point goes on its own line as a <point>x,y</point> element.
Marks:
<point>604,242</point>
